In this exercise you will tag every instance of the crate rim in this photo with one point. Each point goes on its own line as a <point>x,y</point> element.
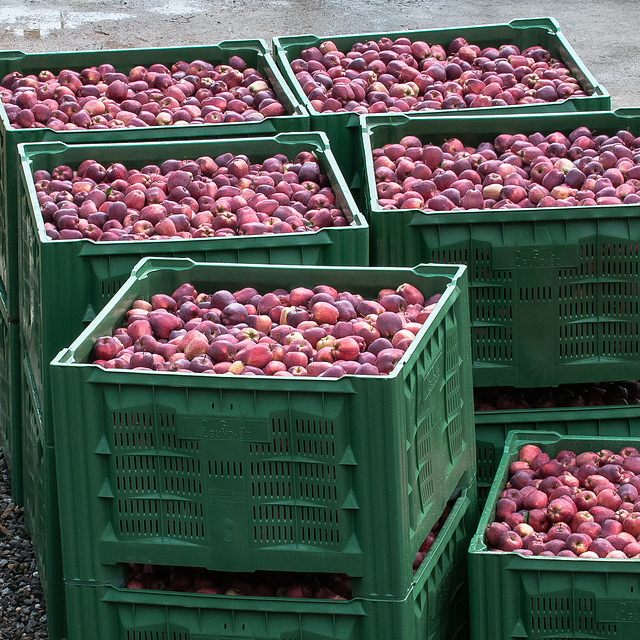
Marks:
<point>66,356</point>
<point>548,23</point>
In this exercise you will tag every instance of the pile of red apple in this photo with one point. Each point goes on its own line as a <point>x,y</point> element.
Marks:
<point>400,75</point>
<point>574,505</point>
<point>264,584</point>
<point>596,394</point>
<point>427,543</point>
<point>99,97</point>
<point>203,198</point>
<point>514,171</point>
<point>317,332</point>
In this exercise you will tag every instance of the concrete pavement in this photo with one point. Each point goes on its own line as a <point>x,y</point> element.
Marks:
<point>604,34</point>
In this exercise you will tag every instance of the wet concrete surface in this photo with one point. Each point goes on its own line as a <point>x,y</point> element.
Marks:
<point>604,33</point>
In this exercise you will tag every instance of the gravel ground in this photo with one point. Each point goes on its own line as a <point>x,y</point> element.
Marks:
<point>23,612</point>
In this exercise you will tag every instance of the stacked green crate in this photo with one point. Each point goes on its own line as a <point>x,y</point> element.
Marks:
<point>390,450</point>
<point>52,313</point>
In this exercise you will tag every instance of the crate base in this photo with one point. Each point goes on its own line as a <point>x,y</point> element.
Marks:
<point>435,609</point>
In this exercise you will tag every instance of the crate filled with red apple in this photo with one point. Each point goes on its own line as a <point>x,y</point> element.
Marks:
<point>587,501</point>
<point>543,211</point>
<point>523,63</point>
<point>232,88</point>
<point>559,532</point>
<point>297,332</point>
<point>203,197</point>
<point>262,442</point>
<point>400,74</point>
<point>99,97</point>
<point>510,171</point>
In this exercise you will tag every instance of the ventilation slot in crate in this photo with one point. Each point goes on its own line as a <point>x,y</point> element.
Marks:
<point>587,267</point>
<point>620,340</point>
<point>491,304</point>
<point>578,341</point>
<point>535,295</point>
<point>619,260</point>
<point>492,344</point>
<point>577,301</point>
<point>108,288</point>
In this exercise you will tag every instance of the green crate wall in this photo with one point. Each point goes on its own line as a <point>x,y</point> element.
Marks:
<point>233,473</point>
<point>255,53</point>
<point>41,516</point>
<point>553,292</point>
<point>513,596</point>
<point>53,313</point>
<point>10,427</point>
<point>493,427</point>
<point>436,607</point>
<point>342,128</point>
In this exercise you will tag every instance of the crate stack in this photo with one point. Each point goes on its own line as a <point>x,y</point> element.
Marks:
<point>340,477</point>
<point>553,301</point>
<point>64,283</point>
<point>45,308</point>
<point>257,474</point>
<point>387,477</point>
<point>52,290</point>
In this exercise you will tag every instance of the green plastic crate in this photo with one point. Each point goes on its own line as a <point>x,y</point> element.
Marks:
<point>493,427</point>
<point>255,53</point>
<point>342,128</point>
<point>41,514</point>
<point>53,313</point>
<point>434,609</point>
<point>10,432</point>
<point>553,292</point>
<point>340,475</point>
<point>539,598</point>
